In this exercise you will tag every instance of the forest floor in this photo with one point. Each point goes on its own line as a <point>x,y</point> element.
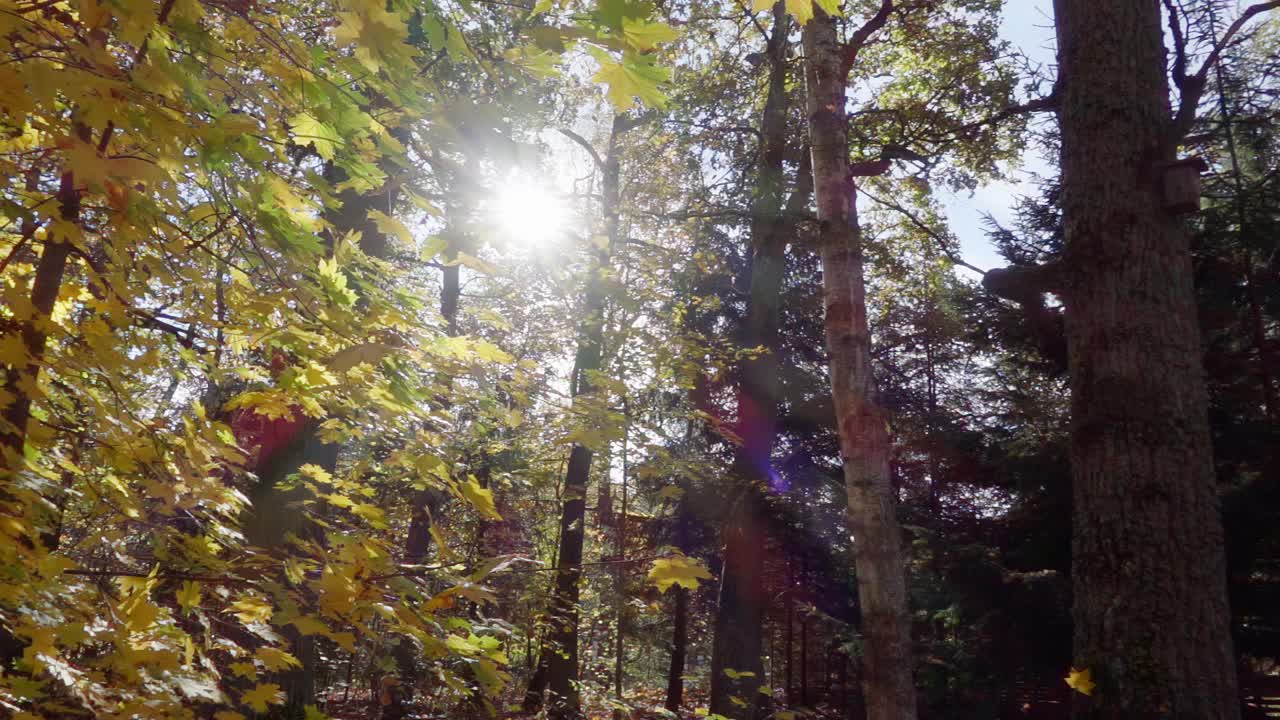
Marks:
<point>646,705</point>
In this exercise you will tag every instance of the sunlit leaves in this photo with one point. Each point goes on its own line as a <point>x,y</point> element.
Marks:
<point>644,35</point>
<point>677,570</point>
<point>262,696</point>
<point>307,130</point>
<point>634,76</point>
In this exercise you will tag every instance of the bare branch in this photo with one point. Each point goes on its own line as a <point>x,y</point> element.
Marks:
<point>595,156</point>
<point>1179,44</point>
<point>943,243</point>
<point>1193,86</point>
<point>862,34</point>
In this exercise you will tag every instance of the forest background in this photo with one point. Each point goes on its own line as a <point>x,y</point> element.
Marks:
<point>458,358</point>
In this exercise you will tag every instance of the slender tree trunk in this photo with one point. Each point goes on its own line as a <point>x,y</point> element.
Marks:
<point>789,642</point>
<point>621,580</point>
<point>423,504</point>
<point>21,382</point>
<point>804,660</point>
<point>561,648</point>
<point>862,424</point>
<point>1148,569</point>
<point>679,618</point>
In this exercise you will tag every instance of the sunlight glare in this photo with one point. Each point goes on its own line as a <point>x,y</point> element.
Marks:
<point>530,214</point>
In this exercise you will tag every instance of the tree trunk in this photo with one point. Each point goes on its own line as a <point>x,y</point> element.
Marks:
<point>274,513</point>
<point>21,382</point>
<point>789,638</point>
<point>862,424</point>
<point>680,615</point>
<point>1148,569</point>
<point>739,619</point>
<point>679,650</point>
<point>561,648</point>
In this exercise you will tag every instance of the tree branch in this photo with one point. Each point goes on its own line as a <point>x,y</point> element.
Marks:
<point>862,34</point>
<point>924,227</point>
<point>1193,86</point>
<point>595,156</point>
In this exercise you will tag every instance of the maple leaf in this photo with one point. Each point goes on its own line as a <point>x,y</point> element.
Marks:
<point>480,498</point>
<point>634,76</point>
<point>677,570</point>
<point>276,659</point>
<point>644,35</point>
<point>262,696</point>
<point>1080,681</point>
<point>251,609</point>
<point>801,10</point>
<point>189,595</point>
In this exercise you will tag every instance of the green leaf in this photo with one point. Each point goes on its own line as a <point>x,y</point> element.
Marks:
<point>644,35</point>
<point>635,76</point>
<point>801,10</point>
<point>307,130</point>
<point>391,226</point>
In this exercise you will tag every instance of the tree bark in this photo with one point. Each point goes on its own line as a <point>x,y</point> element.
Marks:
<point>680,614</point>
<point>862,424</point>
<point>561,648</point>
<point>739,619</point>
<point>1148,569</point>
<point>21,383</point>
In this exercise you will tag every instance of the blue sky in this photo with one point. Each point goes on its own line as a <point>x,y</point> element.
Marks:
<point>1028,25</point>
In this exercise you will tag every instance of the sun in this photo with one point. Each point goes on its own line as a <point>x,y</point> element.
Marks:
<point>529,213</point>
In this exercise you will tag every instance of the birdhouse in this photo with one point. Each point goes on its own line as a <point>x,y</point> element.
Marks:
<point>1180,185</point>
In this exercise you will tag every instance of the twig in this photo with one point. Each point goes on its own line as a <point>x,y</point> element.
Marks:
<point>595,156</point>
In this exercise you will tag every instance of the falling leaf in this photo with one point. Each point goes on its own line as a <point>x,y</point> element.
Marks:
<point>677,570</point>
<point>1080,681</point>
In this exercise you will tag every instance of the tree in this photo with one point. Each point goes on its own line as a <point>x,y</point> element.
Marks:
<point>737,672</point>
<point>862,424</point>
<point>1147,548</point>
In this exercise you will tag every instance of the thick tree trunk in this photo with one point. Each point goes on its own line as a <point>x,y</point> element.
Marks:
<point>275,513</point>
<point>862,424</point>
<point>1151,615</point>
<point>739,620</point>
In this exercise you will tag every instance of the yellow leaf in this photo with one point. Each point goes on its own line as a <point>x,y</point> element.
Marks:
<point>276,659</point>
<point>677,570</point>
<point>388,225</point>
<point>262,696</point>
<point>480,498</point>
<point>189,595</point>
<point>227,715</point>
<point>310,131</point>
<point>1080,681</point>
<point>802,10</point>
<point>251,609</point>
<point>308,625</point>
<point>759,5</point>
